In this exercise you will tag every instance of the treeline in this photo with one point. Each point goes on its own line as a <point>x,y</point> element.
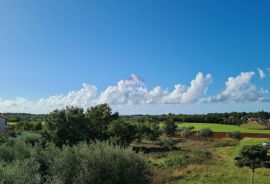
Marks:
<point>17,117</point>
<point>72,125</point>
<point>234,118</point>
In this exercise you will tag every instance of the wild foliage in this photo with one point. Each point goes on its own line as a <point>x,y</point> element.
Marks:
<point>24,162</point>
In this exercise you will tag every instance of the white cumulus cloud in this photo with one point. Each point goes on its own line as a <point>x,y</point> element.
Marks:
<point>134,92</point>
<point>192,94</point>
<point>240,89</point>
<point>83,98</point>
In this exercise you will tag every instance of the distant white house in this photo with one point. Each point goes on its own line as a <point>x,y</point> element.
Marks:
<point>3,123</point>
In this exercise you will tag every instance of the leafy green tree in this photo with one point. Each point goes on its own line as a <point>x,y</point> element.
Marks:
<point>141,131</point>
<point>253,156</point>
<point>170,128</point>
<point>123,132</point>
<point>66,126</point>
<point>98,120</point>
<point>153,131</point>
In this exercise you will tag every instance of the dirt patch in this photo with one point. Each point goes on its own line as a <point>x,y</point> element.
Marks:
<point>220,135</point>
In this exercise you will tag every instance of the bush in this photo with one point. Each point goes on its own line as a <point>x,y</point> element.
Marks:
<point>186,131</point>
<point>122,132</point>
<point>170,128</point>
<point>205,133</point>
<point>21,171</point>
<point>184,158</point>
<point>24,125</point>
<point>167,143</point>
<point>99,163</point>
<point>234,135</point>
<point>153,131</point>
<point>22,162</point>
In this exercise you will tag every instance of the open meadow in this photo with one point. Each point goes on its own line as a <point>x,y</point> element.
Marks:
<point>216,168</point>
<point>223,128</point>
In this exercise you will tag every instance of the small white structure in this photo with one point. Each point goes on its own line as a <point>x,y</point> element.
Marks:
<point>3,123</point>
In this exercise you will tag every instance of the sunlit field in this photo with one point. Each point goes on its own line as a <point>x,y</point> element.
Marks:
<point>222,128</point>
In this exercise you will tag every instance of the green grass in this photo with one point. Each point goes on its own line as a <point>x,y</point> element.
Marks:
<point>253,125</point>
<point>222,128</point>
<point>222,169</point>
<point>11,123</point>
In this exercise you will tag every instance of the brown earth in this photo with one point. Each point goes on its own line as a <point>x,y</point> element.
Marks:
<point>220,135</point>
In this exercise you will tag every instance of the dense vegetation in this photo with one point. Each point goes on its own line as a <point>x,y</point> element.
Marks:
<point>73,146</point>
<point>96,145</point>
<point>220,118</point>
<point>17,117</point>
<point>233,118</point>
<point>24,160</point>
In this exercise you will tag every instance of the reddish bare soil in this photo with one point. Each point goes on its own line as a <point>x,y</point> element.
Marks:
<point>220,135</point>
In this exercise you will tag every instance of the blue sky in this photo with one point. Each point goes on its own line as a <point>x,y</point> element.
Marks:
<point>52,47</point>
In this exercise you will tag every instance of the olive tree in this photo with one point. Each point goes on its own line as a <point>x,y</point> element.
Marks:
<point>122,132</point>
<point>66,126</point>
<point>98,119</point>
<point>253,156</point>
<point>170,128</point>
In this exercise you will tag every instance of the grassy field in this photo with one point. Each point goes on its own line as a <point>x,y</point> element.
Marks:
<point>190,165</point>
<point>11,123</point>
<point>221,170</point>
<point>223,128</point>
<point>253,125</point>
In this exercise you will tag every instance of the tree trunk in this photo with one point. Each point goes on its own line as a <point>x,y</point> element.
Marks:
<point>252,176</point>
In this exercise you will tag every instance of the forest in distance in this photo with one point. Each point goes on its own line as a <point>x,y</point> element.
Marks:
<point>220,118</point>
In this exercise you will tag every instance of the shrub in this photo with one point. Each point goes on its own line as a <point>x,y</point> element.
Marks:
<point>122,132</point>
<point>153,131</point>
<point>205,133</point>
<point>234,135</point>
<point>186,131</point>
<point>24,125</point>
<point>99,163</point>
<point>22,162</point>
<point>184,158</point>
<point>167,143</point>
<point>21,171</point>
<point>170,128</point>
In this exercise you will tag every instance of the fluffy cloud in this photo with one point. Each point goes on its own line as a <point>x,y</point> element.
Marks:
<point>192,94</point>
<point>135,92</point>
<point>83,98</point>
<point>240,89</point>
<point>16,105</point>
<point>261,73</point>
